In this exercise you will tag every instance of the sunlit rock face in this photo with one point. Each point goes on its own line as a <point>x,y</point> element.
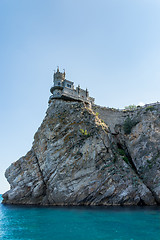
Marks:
<point>80,157</point>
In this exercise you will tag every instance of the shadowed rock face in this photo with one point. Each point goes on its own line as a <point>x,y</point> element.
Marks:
<point>143,145</point>
<point>76,160</point>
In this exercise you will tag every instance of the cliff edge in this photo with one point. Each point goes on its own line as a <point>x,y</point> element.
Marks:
<point>90,156</point>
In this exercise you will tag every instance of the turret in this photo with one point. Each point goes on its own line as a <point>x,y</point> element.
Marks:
<point>87,93</point>
<point>78,89</point>
<point>58,76</point>
<point>58,80</point>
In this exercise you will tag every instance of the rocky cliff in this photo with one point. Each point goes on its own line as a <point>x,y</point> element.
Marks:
<point>90,156</point>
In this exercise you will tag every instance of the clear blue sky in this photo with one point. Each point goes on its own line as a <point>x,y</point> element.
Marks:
<point>112,47</point>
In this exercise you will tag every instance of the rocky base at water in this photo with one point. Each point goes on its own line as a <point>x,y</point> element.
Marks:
<point>90,156</point>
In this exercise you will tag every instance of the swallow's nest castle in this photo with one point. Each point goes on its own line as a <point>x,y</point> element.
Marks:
<point>64,89</point>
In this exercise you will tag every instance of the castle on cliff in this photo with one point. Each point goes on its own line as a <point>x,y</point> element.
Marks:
<point>64,89</point>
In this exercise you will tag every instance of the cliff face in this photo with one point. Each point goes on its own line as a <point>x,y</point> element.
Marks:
<point>79,159</point>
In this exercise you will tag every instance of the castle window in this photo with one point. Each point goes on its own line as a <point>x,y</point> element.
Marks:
<point>59,84</point>
<point>68,85</point>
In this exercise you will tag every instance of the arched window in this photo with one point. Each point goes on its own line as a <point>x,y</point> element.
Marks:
<point>68,85</point>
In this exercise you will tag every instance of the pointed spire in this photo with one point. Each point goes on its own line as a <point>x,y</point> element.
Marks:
<point>64,72</point>
<point>78,88</point>
<point>87,93</point>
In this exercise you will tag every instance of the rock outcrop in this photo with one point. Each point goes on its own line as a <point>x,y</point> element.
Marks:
<point>80,157</point>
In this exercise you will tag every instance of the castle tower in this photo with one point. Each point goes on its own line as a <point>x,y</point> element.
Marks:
<point>58,80</point>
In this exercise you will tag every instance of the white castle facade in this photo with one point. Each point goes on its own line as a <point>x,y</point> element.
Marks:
<point>64,89</point>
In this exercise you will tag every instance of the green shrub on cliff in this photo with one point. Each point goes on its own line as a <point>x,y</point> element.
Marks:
<point>150,108</point>
<point>131,107</point>
<point>123,154</point>
<point>84,133</point>
<point>128,125</point>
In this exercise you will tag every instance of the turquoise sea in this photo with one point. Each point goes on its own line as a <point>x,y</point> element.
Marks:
<point>79,223</point>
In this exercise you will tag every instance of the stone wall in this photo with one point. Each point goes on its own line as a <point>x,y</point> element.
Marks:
<point>111,117</point>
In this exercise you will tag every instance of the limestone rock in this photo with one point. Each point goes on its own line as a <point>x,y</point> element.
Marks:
<point>75,159</point>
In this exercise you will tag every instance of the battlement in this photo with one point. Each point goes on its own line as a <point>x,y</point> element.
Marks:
<point>64,89</point>
<point>58,75</point>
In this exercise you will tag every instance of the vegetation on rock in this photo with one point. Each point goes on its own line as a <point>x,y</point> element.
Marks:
<point>150,108</point>
<point>131,107</point>
<point>128,125</point>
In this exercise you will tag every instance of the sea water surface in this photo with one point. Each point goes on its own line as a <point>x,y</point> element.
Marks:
<point>79,223</point>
